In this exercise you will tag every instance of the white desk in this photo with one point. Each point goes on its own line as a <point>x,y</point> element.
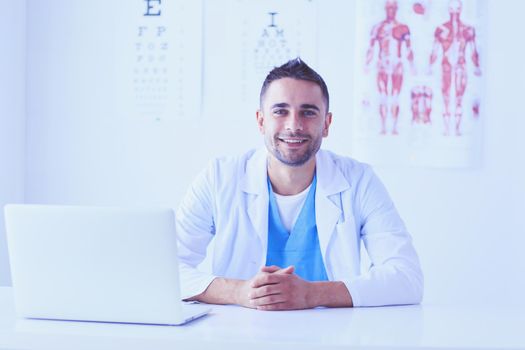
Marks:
<point>232,327</point>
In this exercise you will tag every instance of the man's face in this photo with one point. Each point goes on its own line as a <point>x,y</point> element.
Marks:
<point>293,120</point>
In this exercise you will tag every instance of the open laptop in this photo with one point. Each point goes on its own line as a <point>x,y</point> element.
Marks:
<point>96,264</point>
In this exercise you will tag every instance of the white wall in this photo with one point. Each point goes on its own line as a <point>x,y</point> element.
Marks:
<point>80,151</point>
<point>12,113</point>
<point>468,224</point>
<point>465,223</point>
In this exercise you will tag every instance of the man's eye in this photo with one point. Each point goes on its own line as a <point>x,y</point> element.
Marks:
<point>279,111</point>
<point>309,113</point>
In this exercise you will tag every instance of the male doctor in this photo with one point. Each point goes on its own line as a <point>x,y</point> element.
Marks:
<point>288,220</point>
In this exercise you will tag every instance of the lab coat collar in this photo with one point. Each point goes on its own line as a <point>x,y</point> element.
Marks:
<point>256,174</point>
<point>255,185</point>
<point>330,182</point>
<point>330,179</point>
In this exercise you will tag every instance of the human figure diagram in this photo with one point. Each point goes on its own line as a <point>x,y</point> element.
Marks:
<point>421,104</point>
<point>451,39</point>
<point>393,38</point>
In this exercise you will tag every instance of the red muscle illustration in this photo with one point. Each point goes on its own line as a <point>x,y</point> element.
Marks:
<point>421,103</point>
<point>392,37</point>
<point>453,38</point>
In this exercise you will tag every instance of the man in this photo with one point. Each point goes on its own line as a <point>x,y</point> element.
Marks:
<point>288,220</point>
<point>453,37</point>
<point>391,36</point>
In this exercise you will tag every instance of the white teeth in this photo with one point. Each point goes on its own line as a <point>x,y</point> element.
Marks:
<point>293,141</point>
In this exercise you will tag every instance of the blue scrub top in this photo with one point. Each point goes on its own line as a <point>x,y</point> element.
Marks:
<point>300,247</point>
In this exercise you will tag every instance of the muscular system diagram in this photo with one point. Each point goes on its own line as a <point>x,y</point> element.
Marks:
<point>414,34</point>
<point>452,39</point>
<point>393,39</point>
<point>421,103</point>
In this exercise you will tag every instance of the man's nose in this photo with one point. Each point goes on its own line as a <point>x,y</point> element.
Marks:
<point>294,122</point>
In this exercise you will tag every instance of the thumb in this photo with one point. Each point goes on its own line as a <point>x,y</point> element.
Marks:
<point>287,270</point>
<point>270,269</point>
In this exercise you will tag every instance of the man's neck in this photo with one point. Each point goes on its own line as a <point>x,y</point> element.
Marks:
<point>287,180</point>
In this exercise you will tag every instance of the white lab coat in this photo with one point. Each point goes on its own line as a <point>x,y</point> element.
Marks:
<point>229,202</point>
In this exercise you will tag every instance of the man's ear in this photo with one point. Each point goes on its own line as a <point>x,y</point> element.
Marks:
<point>327,122</point>
<point>260,120</point>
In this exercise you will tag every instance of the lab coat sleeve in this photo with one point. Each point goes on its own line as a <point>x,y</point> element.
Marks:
<point>395,276</point>
<point>195,229</point>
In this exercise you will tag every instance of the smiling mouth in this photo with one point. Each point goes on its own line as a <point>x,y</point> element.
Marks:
<point>292,141</point>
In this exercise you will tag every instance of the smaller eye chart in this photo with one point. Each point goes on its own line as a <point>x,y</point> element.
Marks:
<point>158,64</point>
<point>272,46</point>
<point>245,39</point>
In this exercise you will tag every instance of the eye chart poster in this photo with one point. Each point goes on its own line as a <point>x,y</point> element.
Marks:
<point>158,59</point>
<point>244,40</point>
<point>419,82</point>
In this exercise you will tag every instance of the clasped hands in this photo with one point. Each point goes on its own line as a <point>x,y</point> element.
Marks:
<point>276,288</point>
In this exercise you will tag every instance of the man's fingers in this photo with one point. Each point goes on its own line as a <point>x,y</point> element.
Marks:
<point>288,270</point>
<point>268,300</point>
<point>270,269</point>
<point>263,291</point>
<point>263,279</point>
<point>276,269</point>
<point>275,306</point>
<point>270,275</point>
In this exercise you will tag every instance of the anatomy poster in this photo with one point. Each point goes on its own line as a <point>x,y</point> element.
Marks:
<point>419,77</point>
<point>157,59</point>
<point>244,40</point>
